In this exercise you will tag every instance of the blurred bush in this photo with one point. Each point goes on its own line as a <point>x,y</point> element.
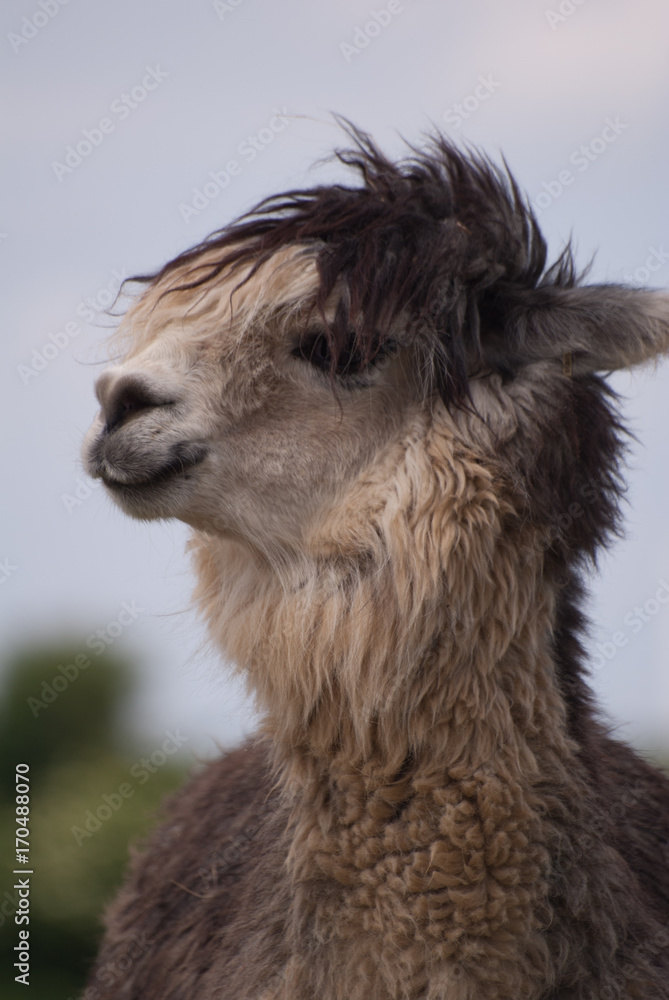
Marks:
<point>91,795</point>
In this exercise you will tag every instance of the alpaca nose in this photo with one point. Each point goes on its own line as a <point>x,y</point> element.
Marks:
<point>122,396</point>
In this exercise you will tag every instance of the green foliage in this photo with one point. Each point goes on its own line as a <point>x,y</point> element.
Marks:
<point>81,717</point>
<point>90,798</point>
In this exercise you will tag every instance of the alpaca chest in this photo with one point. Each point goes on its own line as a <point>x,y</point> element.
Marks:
<point>444,897</point>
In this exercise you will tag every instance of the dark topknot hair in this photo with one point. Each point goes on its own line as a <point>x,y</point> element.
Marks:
<point>443,237</point>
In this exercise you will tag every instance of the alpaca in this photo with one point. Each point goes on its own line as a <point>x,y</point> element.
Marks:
<point>382,416</point>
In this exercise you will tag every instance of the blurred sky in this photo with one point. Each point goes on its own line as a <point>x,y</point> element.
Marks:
<point>534,81</point>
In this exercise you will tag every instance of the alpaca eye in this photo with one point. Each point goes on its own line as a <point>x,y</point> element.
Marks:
<point>316,350</point>
<point>314,347</point>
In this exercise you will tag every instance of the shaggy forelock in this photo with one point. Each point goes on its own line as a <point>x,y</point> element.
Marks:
<point>442,238</point>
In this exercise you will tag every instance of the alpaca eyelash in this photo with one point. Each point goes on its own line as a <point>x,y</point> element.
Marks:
<point>314,348</point>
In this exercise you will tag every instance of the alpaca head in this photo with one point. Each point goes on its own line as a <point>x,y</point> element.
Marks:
<point>268,368</point>
<point>348,376</point>
<point>224,412</point>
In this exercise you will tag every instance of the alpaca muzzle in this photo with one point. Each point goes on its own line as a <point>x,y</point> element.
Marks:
<point>133,442</point>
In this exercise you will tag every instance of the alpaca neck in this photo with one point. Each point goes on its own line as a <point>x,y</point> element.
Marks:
<point>390,811</point>
<point>349,677</point>
<point>505,716</point>
<point>411,703</point>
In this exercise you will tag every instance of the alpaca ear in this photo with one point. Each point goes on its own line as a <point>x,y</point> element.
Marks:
<point>591,328</point>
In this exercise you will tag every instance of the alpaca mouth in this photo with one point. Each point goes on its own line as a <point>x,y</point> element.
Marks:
<point>116,477</point>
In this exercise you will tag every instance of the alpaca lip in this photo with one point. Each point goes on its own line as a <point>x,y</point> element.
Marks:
<point>184,458</point>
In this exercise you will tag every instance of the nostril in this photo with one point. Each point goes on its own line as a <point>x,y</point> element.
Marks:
<point>127,403</point>
<point>129,396</point>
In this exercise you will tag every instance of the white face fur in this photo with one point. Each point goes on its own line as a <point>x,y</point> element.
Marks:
<point>214,417</point>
